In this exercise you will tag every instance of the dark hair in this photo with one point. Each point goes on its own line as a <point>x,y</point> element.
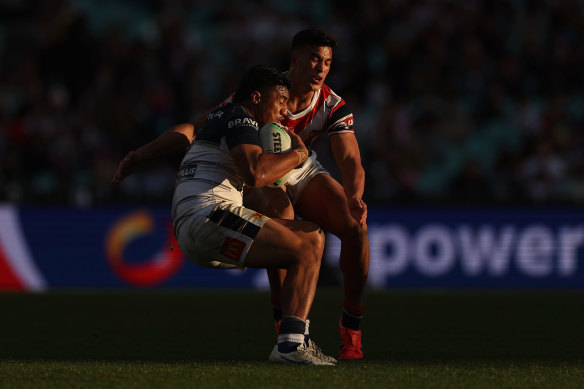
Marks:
<point>313,37</point>
<point>260,78</point>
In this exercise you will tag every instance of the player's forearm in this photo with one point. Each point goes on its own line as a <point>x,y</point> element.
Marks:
<point>353,185</point>
<point>353,178</point>
<point>346,151</point>
<point>174,141</point>
<point>266,167</point>
<point>270,167</point>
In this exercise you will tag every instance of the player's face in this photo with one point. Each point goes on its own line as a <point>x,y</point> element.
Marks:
<point>272,106</point>
<point>312,65</point>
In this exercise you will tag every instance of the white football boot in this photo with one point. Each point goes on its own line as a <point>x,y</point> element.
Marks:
<point>318,352</point>
<point>315,349</point>
<point>301,356</point>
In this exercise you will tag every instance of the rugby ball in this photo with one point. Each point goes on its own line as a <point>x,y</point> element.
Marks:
<point>274,139</point>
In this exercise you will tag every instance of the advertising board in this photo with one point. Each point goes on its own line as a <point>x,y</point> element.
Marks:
<point>43,248</point>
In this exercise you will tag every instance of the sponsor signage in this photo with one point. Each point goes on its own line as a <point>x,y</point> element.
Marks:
<point>474,248</point>
<point>101,248</point>
<point>135,248</point>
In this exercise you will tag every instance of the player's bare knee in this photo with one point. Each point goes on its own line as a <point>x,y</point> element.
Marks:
<point>316,240</point>
<point>319,240</point>
<point>281,213</point>
<point>353,231</point>
<point>318,245</point>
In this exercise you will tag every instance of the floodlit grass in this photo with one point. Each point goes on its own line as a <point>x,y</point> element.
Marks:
<point>221,339</point>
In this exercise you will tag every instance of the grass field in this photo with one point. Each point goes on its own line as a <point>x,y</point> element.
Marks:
<point>221,339</point>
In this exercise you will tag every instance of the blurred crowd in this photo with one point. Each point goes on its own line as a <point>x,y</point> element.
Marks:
<point>455,102</point>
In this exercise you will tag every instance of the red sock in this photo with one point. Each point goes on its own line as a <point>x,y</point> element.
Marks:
<point>276,308</point>
<point>355,310</point>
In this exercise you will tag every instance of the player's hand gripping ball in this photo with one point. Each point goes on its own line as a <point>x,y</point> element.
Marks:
<point>274,139</point>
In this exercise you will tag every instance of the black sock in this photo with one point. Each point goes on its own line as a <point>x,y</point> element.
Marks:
<point>291,333</point>
<point>350,320</point>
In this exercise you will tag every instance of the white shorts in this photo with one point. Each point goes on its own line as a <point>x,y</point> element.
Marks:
<point>302,175</point>
<point>219,236</point>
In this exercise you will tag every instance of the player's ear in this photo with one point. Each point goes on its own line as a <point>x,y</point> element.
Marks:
<point>256,96</point>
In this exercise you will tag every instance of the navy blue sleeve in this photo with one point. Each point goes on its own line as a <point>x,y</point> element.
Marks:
<point>241,130</point>
<point>340,119</point>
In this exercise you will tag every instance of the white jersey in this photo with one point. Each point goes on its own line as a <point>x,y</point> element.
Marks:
<point>208,174</point>
<point>326,115</point>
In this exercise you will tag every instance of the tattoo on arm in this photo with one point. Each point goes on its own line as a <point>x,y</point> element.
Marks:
<point>302,155</point>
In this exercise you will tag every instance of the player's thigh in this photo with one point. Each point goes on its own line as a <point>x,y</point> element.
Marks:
<point>323,202</point>
<point>272,202</point>
<point>280,243</point>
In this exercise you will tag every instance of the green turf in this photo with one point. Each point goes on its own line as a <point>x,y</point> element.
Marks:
<point>221,339</point>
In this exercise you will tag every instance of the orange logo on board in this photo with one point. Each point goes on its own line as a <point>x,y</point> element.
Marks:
<point>156,268</point>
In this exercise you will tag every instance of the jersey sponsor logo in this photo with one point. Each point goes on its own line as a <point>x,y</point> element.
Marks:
<point>258,216</point>
<point>242,122</point>
<point>214,115</point>
<point>347,123</point>
<point>187,172</point>
<point>232,249</point>
<point>343,125</point>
